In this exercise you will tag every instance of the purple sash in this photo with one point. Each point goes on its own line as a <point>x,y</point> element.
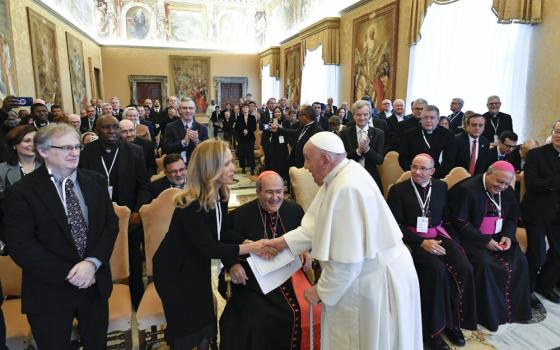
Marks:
<point>488,225</point>
<point>432,232</point>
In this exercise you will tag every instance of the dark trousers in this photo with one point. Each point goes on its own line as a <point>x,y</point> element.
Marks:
<point>135,238</point>
<point>246,153</point>
<point>539,259</point>
<point>52,331</point>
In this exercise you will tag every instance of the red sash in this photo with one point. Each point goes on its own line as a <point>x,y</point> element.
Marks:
<point>432,232</point>
<point>488,225</point>
<point>300,284</point>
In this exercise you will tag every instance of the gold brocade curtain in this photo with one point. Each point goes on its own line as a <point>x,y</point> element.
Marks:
<point>330,39</point>
<point>518,11</point>
<point>270,57</point>
<point>507,11</point>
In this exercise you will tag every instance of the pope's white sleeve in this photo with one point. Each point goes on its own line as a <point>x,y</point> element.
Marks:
<point>335,280</point>
<point>298,240</point>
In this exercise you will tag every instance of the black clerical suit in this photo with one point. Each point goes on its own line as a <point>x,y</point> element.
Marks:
<point>456,121</point>
<point>391,144</point>
<point>500,277</point>
<point>301,136</point>
<point>372,158</point>
<point>513,158</point>
<point>252,320</point>
<point>175,133</point>
<point>87,125</point>
<point>446,281</point>
<point>417,140</point>
<point>182,273</point>
<point>463,147</point>
<point>495,125</point>
<point>246,142</point>
<point>278,156</point>
<point>323,122</point>
<point>541,215</point>
<point>149,154</point>
<point>131,188</point>
<point>39,238</point>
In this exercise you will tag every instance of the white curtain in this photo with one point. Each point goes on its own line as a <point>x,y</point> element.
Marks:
<point>319,81</point>
<point>270,86</point>
<point>465,53</point>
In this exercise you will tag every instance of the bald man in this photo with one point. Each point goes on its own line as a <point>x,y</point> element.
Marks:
<point>368,285</point>
<point>253,320</point>
<point>445,274</point>
<point>129,133</point>
<point>483,210</point>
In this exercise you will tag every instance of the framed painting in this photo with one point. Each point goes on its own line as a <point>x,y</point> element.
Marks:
<point>77,72</point>
<point>8,78</point>
<point>190,77</point>
<point>292,73</point>
<point>44,54</point>
<point>374,54</point>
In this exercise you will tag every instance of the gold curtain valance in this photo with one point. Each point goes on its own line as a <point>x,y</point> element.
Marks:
<point>518,11</point>
<point>327,34</point>
<point>270,57</point>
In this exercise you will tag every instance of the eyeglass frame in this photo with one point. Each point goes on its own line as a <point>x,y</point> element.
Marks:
<point>69,148</point>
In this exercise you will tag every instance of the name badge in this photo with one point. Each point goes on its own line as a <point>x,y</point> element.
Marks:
<point>281,139</point>
<point>110,189</point>
<point>499,224</point>
<point>422,224</point>
<point>496,138</point>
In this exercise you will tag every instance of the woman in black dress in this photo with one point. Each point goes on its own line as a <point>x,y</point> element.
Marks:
<point>182,262</point>
<point>277,157</point>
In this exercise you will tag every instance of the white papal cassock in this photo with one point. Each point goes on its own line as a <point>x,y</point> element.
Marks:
<point>368,287</point>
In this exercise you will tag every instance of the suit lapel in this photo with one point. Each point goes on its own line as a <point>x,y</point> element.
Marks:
<point>353,138</point>
<point>89,194</point>
<point>13,174</point>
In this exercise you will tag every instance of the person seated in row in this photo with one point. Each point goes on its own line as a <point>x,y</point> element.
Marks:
<point>445,274</point>
<point>174,169</point>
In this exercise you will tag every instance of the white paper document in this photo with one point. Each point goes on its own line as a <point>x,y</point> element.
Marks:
<point>274,279</point>
<point>265,266</point>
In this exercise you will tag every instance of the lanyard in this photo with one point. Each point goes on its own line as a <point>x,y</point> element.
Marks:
<point>108,172</point>
<point>218,217</point>
<point>423,205</point>
<point>425,139</point>
<point>498,204</point>
<point>453,117</point>
<point>63,195</point>
<point>495,126</point>
<point>305,128</point>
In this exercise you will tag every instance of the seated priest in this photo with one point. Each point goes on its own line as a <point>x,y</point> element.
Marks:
<point>252,320</point>
<point>175,174</point>
<point>444,272</point>
<point>484,211</point>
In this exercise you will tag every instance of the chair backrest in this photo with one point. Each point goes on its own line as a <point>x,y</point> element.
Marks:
<point>522,187</point>
<point>455,176</point>
<point>119,257</point>
<point>156,218</point>
<point>390,171</point>
<point>404,176</point>
<point>303,186</point>
<point>258,135</point>
<point>513,182</point>
<point>157,176</point>
<point>10,275</point>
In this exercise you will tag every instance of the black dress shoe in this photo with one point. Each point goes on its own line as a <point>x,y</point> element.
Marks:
<point>536,303</point>
<point>549,295</point>
<point>436,343</point>
<point>455,335</point>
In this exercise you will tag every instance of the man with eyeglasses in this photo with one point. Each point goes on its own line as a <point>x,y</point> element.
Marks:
<point>410,121</point>
<point>456,116</point>
<point>506,149</point>
<point>444,272</point>
<point>61,227</point>
<point>175,175</point>
<point>124,168</point>
<point>496,121</point>
<point>483,210</point>
<point>541,215</point>
<point>430,138</point>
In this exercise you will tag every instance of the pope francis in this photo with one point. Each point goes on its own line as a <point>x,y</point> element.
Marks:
<point>368,286</point>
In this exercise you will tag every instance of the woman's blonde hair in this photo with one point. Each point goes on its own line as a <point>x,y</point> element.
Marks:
<point>205,169</point>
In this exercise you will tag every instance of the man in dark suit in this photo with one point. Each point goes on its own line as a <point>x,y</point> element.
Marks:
<point>164,116</point>
<point>61,228</point>
<point>320,119</point>
<point>506,149</point>
<point>541,215</point>
<point>363,143</point>
<point>88,123</point>
<point>471,148</point>
<point>128,133</point>
<point>268,114</point>
<point>387,110</point>
<point>430,138</point>
<point>393,121</point>
<point>456,116</point>
<point>124,167</point>
<point>330,103</point>
<point>216,121</point>
<point>175,170</point>
<point>347,118</point>
<point>116,107</point>
<point>182,136</point>
<point>307,128</point>
<point>496,121</point>
<point>411,121</point>
<point>245,127</point>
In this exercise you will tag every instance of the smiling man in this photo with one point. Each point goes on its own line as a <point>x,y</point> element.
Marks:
<point>483,210</point>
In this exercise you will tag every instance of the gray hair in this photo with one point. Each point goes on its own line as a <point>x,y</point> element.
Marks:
<point>360,104</point>
<point>554,124</point>
<point>420,100</point>
<point>43,137</point>
<point>492,97</point>
<point>128,109</point>
<point>460,100</point>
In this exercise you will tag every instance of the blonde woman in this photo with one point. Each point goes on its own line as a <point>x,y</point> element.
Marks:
<point>182,263</point>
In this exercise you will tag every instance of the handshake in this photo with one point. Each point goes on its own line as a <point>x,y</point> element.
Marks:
<point>265,248</point>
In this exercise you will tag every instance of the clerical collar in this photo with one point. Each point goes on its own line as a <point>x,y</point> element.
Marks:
<point>109,148</point>
<point>311,122</point>
<point>426,185</point>
<point>40,123</point>
<point>427,132</point>
<point>330,176</point>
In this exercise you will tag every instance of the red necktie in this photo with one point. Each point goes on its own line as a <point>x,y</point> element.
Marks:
<point>472,164</point>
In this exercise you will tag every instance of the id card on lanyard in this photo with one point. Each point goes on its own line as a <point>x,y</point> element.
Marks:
<point>498,205</point>
<point>108,173</point>
<point>422,222</point>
